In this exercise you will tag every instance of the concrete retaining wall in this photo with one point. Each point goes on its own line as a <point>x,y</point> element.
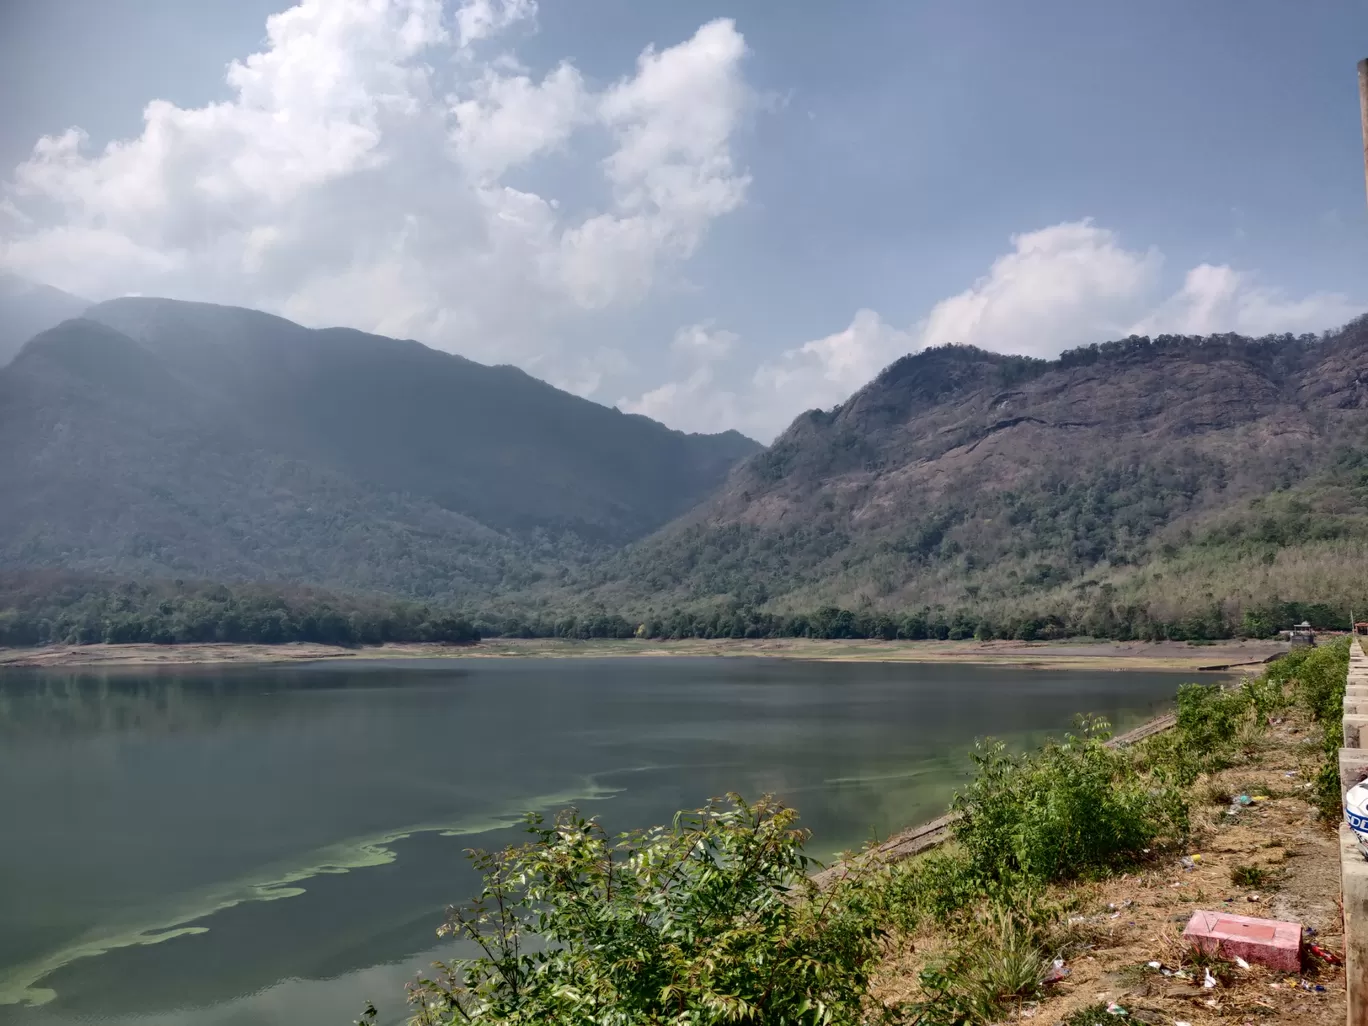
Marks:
<point>1353,760</point>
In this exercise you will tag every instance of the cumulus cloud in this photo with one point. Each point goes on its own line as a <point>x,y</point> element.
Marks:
<point>1217,299</point>
<point>357,173</point>
<point>1057,288</point>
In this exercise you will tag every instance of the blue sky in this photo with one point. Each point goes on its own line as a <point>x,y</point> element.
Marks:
<point>748,221</point>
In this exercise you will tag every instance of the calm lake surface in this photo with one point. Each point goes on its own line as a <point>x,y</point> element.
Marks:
<point>276,845</point>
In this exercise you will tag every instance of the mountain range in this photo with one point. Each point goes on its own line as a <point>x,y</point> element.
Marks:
<point>158,438</point>
<point>1183,476</point>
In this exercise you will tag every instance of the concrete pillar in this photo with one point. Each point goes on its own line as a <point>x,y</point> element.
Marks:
<point>1363,112</point>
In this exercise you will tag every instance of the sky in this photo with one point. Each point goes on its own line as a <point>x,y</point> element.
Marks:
<point>715,214</point>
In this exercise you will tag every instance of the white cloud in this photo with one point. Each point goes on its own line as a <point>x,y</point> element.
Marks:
<point>356,174</point>
<point>1057,288</point>
<point>510,119</point>
<point>1216,299</point>
<point>480,19</point>
<point>672,171</point>
<point>1062,286</point>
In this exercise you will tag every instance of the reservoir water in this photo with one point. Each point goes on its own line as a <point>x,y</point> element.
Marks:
<point>276,845</point>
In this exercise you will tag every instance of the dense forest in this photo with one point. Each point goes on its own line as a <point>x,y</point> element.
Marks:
<point>59,608</point>
<point>39,609</point>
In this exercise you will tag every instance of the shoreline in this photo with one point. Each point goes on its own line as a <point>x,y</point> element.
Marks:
<point>1224,657</point>
<point>914,840</point>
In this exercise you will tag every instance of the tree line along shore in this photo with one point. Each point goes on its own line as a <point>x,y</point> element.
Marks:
<point>55,609</point>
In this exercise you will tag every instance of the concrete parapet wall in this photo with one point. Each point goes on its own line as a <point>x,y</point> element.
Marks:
<point>1353,762</point>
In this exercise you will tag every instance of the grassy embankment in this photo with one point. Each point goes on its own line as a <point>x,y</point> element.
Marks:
<point>1072,853</point>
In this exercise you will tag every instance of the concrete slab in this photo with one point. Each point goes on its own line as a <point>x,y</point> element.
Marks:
<point>1355,730</point>
<point>1353,767</point>
<point>1271,942</point>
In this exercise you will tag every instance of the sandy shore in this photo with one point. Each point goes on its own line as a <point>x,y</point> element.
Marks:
<point>1229,656</point>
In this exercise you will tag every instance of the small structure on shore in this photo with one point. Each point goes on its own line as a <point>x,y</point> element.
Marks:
<point>1302,634</point>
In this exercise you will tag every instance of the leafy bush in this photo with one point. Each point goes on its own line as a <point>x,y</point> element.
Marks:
<point>1075,807</point>
<point>711,921</point>
<point>936,886</point>
<point>1317,676</point>
<point>1209,720</point>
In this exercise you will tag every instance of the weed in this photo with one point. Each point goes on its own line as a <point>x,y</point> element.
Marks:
<point>1092,1015</point>
<point>998,963</point>
<point>1251,877</point>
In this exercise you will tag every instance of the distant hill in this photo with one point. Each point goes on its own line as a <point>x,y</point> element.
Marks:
<point>1177,476</point>
<point>162,438</point>
<point>27,308</point>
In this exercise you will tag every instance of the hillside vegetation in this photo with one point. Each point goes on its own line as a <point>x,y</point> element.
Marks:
<point>1137,483</point>
<point>158,439</point>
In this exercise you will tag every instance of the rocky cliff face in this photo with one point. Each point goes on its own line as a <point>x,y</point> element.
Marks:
<point>959,475</point>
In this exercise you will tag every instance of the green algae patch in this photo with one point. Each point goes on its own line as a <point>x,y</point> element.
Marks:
<point>20,984</point>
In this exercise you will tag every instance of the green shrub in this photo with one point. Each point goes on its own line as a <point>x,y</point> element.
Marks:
<point>712,921</point>
<point>936,886</point>
<point>1317,678</point>
<point>1074,808</point>
<point>1209,720</point>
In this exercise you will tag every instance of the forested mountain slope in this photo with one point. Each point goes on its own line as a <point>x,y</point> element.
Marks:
<point>1177,473</point>
<point>157,438</point>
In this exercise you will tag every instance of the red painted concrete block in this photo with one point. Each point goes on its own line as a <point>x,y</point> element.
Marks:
<point>1269,942</point>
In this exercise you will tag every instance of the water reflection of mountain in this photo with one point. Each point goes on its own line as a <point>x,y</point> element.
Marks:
<point>85,703</point>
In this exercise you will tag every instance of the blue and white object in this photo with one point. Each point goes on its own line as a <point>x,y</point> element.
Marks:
<point>1356,813</point>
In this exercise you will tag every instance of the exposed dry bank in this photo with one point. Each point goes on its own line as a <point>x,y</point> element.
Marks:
<point>1098,655</point>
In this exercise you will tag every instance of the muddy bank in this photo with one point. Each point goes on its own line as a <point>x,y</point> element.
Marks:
<point>1225,656</point>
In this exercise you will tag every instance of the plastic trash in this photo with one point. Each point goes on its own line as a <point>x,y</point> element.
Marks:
<point>1156,965</point>
<point>1208,981</point>
<point>1241,962</point>
<point>1356,813</point>
<point>1328,956</point>
<point>1244,799</point>
<point>1115,1009</point>
<point>1058,971</point>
